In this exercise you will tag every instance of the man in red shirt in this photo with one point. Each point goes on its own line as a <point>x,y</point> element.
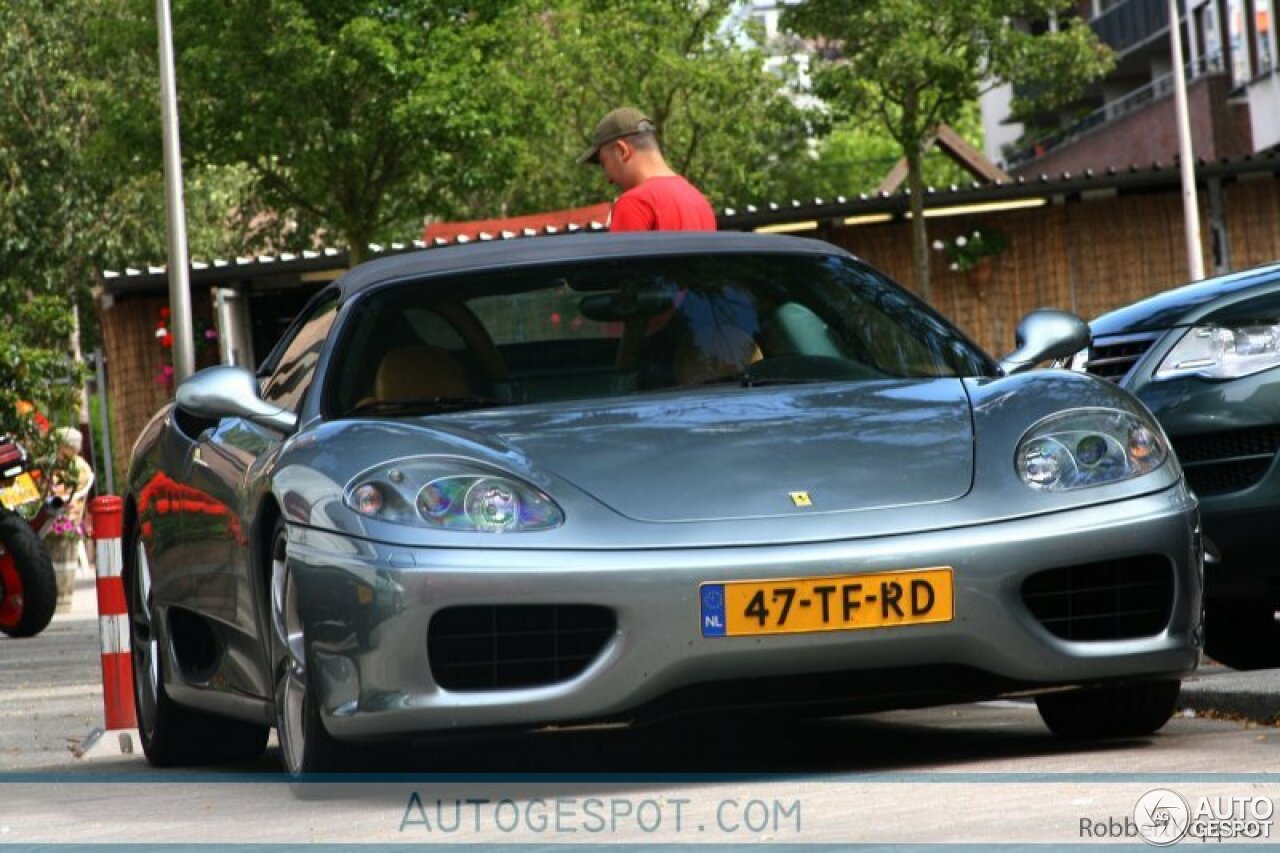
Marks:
<point>654,198</point>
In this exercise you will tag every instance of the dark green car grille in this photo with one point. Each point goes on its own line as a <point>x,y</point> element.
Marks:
<point>512,646</point>
<point>1109,600</point>
<point>1113,361</point>
<point>1230,461</point>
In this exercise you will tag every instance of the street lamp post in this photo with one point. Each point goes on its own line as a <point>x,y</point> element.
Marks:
<point>179,268</point>
<point>1190,205</point>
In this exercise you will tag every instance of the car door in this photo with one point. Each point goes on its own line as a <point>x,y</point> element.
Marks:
<point>221,502</point>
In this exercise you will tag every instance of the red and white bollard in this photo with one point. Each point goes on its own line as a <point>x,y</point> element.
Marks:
<point>113,627</point>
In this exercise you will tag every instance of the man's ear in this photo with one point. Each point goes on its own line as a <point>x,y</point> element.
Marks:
<point>624,149</point>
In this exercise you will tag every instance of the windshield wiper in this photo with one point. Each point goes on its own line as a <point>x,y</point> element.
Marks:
<point>422,405</point>
<point>746,380</point>
<point>761,381</point>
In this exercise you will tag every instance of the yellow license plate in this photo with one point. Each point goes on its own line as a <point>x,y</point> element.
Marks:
<point>22,490</point>
<point>833,603</point>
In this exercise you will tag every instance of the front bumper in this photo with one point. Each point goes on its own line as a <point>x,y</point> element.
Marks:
<point>1228,443</point>
<point>367,608</point>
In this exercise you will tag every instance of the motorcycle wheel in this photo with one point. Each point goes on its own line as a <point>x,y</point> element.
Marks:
<point>28,586</point>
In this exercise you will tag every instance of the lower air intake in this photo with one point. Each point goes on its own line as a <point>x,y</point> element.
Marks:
<point>511,646</point>
<point>1110,600</point>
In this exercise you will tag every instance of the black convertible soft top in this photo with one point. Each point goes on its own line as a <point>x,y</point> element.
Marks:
<point>539,250</point>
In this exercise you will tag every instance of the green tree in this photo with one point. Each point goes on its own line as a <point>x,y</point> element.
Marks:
<point>726,122</point>
<point>80,189</point>
<point>47,124</point>
<point>855,157</point>
<point>35,370</point>
<point>357,118</point>
<point>907,65</point>
<point>342,113</point>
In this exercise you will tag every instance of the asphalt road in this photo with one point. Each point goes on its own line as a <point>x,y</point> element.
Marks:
<point>987,773</point>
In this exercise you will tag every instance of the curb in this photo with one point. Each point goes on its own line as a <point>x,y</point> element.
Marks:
<point>1254,696</point>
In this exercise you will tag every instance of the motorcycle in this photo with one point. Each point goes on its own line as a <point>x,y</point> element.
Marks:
<point>28,585</point>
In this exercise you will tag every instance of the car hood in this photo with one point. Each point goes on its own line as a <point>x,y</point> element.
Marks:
<point>1185,305</point>
<point>730,453</point>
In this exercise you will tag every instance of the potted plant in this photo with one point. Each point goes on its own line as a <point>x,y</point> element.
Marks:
<point>63,540</point>
<point>971,254</point>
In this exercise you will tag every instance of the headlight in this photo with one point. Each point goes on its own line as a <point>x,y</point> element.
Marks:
<point>450,495</point>
<point>1221,352</point>
<point>1088,447</point>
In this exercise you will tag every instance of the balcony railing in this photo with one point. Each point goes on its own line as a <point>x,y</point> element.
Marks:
<point>1131,23</point>
<point>1161,87</point>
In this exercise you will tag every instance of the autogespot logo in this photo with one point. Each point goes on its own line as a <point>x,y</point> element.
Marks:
<point>1162,817</point>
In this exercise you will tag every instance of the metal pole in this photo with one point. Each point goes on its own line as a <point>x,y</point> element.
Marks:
<point>104,423</point>
<point>179,268</point>
<point>1190,205</point>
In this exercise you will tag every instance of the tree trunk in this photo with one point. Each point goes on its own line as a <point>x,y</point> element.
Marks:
<point>357,246</point>
<point>919,234</point>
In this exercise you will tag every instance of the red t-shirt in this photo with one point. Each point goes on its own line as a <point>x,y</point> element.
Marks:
<point>662,204</point>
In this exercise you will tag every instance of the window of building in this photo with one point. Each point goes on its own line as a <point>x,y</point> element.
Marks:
<point>1264,41</point>
<point>1239,41</point>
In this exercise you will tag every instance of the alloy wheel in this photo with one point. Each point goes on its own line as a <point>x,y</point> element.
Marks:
<point>146,646</point>
<point>291,685</point>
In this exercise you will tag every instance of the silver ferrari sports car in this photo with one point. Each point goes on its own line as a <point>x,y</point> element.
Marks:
<point>604,478</point>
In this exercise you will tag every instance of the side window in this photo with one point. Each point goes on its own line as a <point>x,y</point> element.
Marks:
<point>293,372</point>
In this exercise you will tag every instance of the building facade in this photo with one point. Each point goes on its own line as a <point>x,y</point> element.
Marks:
<point>1127,118</point>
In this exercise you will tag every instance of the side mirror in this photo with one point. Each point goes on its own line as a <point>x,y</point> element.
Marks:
<point>231,392</point>
<point>1045,334</point>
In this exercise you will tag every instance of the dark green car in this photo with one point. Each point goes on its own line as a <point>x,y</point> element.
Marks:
<point>1206,359</point>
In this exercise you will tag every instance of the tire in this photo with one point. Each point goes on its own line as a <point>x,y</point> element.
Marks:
<point>28,586</point>
<point>306,747</point>
<point>173,735</point>
<point>1242,636</point>
<point>1122,710</point>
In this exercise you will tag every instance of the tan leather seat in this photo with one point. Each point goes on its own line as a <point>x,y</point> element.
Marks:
<point>420,371</point>
<point>712,353</point>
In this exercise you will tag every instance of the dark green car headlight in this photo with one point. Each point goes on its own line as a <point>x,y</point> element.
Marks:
<point>1222,352</point>
<point>447,494</point>
<point>1088,447</point>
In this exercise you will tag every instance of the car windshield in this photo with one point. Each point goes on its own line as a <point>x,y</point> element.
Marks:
<point>611,327</point>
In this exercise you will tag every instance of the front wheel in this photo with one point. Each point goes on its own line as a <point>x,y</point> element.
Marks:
<point>306,747</point>
<point>28,586</point>
<point>1121,710</point>
<point>1243,635</point>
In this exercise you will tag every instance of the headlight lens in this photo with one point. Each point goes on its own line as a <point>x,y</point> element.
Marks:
<point>1088,447</point>
<point>450,495</point>
<point>1221,352</point>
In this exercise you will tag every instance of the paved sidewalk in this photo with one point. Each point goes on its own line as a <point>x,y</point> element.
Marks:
<point>1221,690</point>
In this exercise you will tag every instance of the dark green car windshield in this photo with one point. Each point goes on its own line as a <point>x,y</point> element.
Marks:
<point>610,327</point>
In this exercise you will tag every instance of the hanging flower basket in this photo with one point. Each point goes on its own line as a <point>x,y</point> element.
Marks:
<point>979,276</point>
<point>972,253</point>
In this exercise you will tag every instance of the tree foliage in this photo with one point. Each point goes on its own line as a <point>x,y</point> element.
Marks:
<point>726,122</point>
<point>46,127</point>
<point>907,65</point>
<point>856,156</point>
<point>341,111</point>
<point>355,119</point>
